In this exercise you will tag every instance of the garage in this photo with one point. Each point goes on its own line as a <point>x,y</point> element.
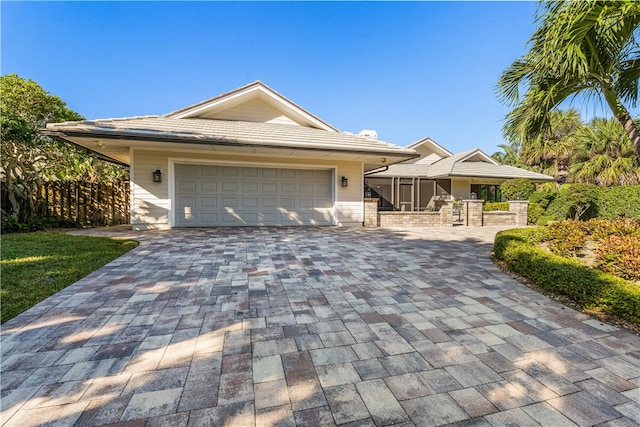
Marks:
<point>227,196</point>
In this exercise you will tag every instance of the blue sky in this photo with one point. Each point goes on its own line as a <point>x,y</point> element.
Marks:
<point>407,70</point>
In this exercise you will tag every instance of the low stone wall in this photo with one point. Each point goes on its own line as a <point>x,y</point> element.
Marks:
<point>471,215</point>
<point>409,219</point>
<point>499,218</point>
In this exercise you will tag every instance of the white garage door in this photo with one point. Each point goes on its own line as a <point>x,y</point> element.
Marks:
<point>221,196</point>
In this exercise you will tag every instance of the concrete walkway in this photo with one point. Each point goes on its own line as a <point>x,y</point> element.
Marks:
<point>312,327</point>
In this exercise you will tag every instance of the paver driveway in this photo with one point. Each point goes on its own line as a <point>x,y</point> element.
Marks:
<point>313,327</point>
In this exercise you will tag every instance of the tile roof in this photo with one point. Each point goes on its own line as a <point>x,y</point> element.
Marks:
<point>455,166</point>
<point>225,132</point>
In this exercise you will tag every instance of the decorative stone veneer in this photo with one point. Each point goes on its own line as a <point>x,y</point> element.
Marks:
<point>472,215</point>
<point>472,212</point>
<point>410,219</point>
<point>499,218</point>
<point>520,208</point>
<point>371,213</point>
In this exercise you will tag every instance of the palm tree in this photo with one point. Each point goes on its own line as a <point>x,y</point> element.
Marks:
<point>549,152</point>
<point>588,48</point>
<point>604,155</point>
<point>510,154</point>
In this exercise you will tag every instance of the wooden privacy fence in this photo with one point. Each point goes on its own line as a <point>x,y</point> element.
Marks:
<point>91,203</point>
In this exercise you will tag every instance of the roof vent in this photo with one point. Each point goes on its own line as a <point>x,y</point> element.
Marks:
<point>369,134</point>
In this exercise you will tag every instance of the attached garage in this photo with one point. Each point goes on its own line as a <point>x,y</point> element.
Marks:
<point>248,157</point>
<point>223,196</point>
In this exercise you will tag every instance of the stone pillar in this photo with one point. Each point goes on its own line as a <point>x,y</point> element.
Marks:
<point>520,208</point>
<point>473,212</point>
<point>371,213</point>
<point>446,213</point>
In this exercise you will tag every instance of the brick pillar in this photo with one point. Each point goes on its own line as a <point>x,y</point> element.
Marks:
<point>446,213</point>
<point>371,213</point>
<point>521,208</point>
<point>473,212</point>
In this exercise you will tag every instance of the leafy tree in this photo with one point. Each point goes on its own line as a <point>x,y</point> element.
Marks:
<point>517,188</point>
<point>29,158</point>
<point>588,48</point>
<point>549,152</point>
<point>510,154</point>
<point>604,155</point>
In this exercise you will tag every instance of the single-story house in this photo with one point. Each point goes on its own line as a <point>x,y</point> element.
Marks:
<point>249,157</point>
<point>437,173</point>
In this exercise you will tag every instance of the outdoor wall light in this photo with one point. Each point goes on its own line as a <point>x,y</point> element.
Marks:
<point>157,175</point>
<point>344,181</point>
<point>474,196</point>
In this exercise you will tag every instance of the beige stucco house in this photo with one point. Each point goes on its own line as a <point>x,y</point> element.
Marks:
<point>437,172</point>
<point>247,157</point>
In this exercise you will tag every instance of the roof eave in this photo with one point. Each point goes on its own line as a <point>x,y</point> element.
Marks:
<point>217,141</point>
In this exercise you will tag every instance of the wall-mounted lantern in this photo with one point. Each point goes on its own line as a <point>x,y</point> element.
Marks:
<point>157,175</point>
<point>474,196</point>
<point>344,181</point>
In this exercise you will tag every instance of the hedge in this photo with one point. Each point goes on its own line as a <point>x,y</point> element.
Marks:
<point>591,289</point>
<point>607,202</point>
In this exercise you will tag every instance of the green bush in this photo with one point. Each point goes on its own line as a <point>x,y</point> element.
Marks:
<point>519,188</point>
<point>575,201</point>
<point>614,202</point>
<point>495,206</point>
<point>606,202</point>
<point>534,213</point>
<point>543,198</point>
<point>592,289</point>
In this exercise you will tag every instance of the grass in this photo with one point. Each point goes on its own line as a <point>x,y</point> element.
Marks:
<point>37,265</point>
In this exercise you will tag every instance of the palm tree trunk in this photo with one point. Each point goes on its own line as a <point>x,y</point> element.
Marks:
<point>623,116</point>
<point>632,130</point>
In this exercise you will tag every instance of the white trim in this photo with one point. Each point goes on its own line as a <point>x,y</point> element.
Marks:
<point>257,90</point>
<point>172,161</point>
<point>481,153</point>
<point>131,187</point>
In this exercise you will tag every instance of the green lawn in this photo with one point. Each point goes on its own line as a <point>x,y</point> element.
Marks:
<point>37,265</point>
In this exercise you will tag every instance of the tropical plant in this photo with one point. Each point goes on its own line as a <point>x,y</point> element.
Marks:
<point>29,158</point>
<point>510,154</point>
<point>604,155</point>
<point>519,188</point>
<point>580,48</point>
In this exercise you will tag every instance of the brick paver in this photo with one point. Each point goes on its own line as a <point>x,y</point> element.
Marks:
<point>312,327</point>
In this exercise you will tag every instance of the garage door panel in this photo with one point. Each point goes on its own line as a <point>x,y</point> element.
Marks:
<point>287,187</point>
<point>250,202</point>
<point>208,186</point>
<point>287,173</point>
<point>187,185</point>
<point>209,202</point>
<point>208,195</point>
<point>210,218</point>
<point>250,187</point>
<point>208,170</point>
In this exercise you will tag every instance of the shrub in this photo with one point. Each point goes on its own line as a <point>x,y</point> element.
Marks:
<point>575,201</point>
<point>543,198</point>
<point>566,238</point>
<point>614,202</point>
<point>592,289</point>
<point>495,206</point>
<point>534,213</point>
<point>517,188</point>
<point>620,255</point>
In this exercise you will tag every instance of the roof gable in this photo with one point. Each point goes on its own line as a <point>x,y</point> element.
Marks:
<point>429,150</point>
<point>255,102</point>
<point>477,156</point>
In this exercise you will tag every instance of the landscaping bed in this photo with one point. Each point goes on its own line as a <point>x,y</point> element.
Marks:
<point>593,264</point>
<point>37,265</point>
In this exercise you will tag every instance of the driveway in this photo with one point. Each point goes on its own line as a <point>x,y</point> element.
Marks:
<point>312,327</point>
